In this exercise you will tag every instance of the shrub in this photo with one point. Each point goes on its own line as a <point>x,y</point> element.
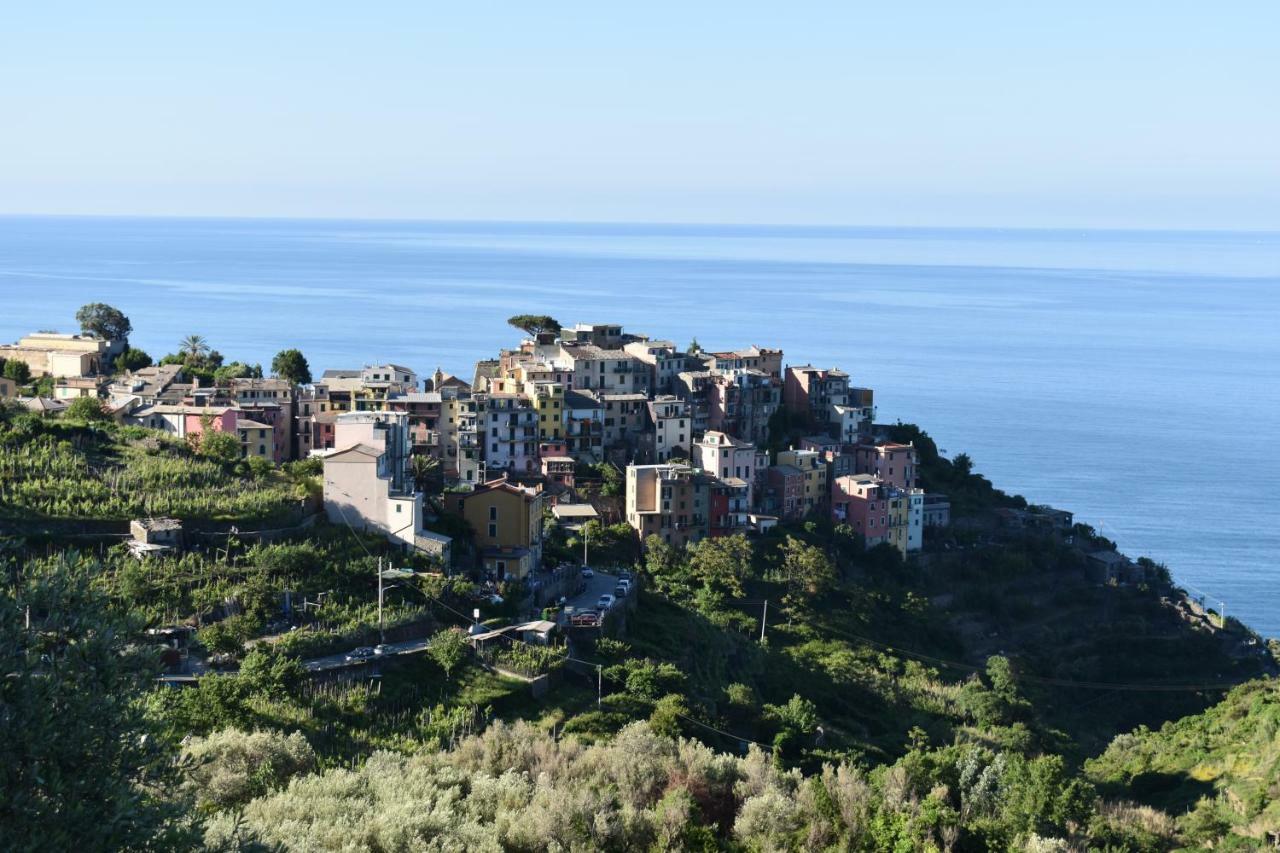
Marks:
<point>86,409</point>
<point>231,767</point>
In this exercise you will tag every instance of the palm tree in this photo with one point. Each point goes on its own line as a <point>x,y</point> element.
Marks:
<point>194,346</point>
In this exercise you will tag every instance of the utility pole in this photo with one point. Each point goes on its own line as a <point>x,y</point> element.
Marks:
<point>585,536</point>
<point>764,617</point>
<point>599,683</point>
<point>381,637</point>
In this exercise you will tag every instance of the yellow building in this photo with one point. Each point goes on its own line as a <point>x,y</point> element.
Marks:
<point>548,402</point>
<point>899,519</point>
<point>507,520</point>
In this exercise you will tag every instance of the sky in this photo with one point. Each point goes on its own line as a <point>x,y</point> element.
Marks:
<point>1094,114</point>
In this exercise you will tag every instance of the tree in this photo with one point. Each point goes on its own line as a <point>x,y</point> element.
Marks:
<point>428,476</point>
<point>103,320</point>
<point>133,359</point>
<point>18,371</point>
<point>86,409</point>
<point>612,484</point>
<point>448,649</point>
<point>291,365</point>
<point>236,370</point>
<point>807,569</point>
<point>534,324</point>
<point>722,563</point>
<point>963,465</point>
<point>194,347</point>
<point>75,748</point>
<point>221,446</point>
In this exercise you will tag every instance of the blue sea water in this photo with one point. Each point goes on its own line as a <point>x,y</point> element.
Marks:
<point>1132,377</point>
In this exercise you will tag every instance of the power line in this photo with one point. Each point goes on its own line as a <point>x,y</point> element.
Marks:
<point>764,746</point>
<point>1035,679</point>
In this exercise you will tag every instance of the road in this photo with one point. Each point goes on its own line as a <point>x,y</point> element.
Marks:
<point>603,583</point>
<point>408,647</point>
<point>338,661</point>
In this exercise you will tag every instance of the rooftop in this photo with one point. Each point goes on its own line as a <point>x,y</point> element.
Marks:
<point>354,453</point>
<point>574,511</point>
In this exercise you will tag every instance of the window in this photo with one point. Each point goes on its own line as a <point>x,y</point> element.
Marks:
<point>493,513</point>
<point>398,508</point>
<point>493,531</point>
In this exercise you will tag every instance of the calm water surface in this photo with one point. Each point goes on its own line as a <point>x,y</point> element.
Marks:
<point>1132,377</point>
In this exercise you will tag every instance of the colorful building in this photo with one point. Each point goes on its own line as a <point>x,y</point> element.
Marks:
<point>507,520</point>
<point>726,457</point>
<point>670,501</point>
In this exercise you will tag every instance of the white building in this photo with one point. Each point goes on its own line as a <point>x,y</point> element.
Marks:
<point>915,520</point>
<point>672,427</point>
<point>368,483</point>
<point>726,457</point>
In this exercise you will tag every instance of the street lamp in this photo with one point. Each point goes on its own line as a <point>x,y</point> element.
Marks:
<point>388,574</point>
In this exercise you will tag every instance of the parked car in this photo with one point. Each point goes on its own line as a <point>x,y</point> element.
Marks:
<point>587,572</point>
<point>620,591</point>
<point>625,583</point>
<point>606,601</point>
<point>624,575</point>
<point>382,649</point>
<point>362,653</point>
<point>585,620</point>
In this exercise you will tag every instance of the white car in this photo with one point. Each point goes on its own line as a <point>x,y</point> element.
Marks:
<point>605,602</point>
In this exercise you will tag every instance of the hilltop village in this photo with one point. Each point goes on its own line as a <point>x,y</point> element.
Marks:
<point>627,594</point>
<point>708,444</point>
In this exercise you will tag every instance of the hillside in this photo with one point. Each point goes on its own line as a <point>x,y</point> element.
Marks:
<point>947,702</point>
<point>1218,771</point>
<point>58,474</point>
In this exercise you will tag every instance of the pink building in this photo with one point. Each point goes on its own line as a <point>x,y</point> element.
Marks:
<point>894,464</point>
<point>862,502</point>
<point>181,420</point>
<point>221,420</point>
<point>809,392</point>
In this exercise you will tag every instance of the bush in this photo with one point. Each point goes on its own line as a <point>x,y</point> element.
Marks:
<point>231,767</point>
<point>132,359</point>
<point>230,635</point>
<point>18,371</point>
<point>449,648</point>
<point>86,409</point>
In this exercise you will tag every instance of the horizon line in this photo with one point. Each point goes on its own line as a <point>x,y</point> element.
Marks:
<point>606,223</point>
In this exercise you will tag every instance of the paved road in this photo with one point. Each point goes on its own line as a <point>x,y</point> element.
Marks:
<point>408,647</point>
<point>603,583</point>
<point>338,661</point>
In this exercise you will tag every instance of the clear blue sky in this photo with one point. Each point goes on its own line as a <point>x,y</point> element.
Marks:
<point>1129,113</point>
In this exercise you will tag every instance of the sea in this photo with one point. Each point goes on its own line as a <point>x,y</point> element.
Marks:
<point>1132,377</point>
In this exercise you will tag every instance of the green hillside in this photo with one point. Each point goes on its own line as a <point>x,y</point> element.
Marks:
<point>1218,771</point>
<point>66,472</point>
